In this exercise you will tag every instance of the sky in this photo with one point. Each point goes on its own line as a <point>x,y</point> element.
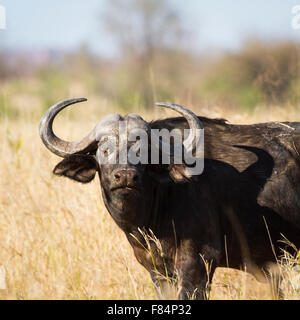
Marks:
<point>66,24</point>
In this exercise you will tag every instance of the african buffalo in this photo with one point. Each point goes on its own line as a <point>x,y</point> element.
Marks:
<point>232,214</point>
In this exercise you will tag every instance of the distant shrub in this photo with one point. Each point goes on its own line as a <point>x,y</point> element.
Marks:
<point>267,73</point>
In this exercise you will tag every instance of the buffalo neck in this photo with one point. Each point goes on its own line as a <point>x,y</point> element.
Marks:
<point>139,209</point>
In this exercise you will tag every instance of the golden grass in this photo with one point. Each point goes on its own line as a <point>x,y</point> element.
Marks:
<point>57,241</point>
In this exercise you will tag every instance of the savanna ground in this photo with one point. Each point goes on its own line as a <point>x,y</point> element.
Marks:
<point>57,241</point>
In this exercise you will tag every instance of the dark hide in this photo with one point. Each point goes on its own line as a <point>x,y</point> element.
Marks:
<point>235,212</point>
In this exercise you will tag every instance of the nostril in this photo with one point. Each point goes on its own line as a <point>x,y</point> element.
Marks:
<point>126,177</point>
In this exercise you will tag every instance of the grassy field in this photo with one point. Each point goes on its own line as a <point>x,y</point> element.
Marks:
<point>57,241</point>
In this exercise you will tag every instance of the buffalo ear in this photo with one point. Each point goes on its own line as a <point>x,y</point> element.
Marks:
<point>177,173</point>
<point>81,168</point>
<point>168,173</point>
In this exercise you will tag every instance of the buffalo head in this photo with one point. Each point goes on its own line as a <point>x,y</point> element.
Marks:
<point>107,149</point>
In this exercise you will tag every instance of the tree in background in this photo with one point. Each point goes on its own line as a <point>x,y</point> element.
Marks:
<point>145,31</point>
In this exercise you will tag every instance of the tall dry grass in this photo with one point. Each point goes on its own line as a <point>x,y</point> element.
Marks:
<point>57,241</point>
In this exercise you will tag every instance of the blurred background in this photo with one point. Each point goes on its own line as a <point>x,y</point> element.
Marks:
<point>221,58</point>
<point>127,54</point>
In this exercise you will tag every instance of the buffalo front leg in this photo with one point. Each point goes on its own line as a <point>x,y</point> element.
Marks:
<point>194,282</point>
<point>195,271</point>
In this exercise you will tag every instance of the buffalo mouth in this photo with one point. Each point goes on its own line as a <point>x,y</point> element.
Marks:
<point>125,189</point>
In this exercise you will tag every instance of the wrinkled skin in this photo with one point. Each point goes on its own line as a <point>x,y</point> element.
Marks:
<point>251,179</point>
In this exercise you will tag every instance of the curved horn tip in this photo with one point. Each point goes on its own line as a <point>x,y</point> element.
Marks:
<point>72,101</point>
<point>78,99</point>
<point>163,104</point>
<point>169,105</point>
<point>52,142</point>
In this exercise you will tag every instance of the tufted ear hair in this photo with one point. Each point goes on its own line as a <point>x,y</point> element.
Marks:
<point>81,168</point>
<point>168,173</point>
